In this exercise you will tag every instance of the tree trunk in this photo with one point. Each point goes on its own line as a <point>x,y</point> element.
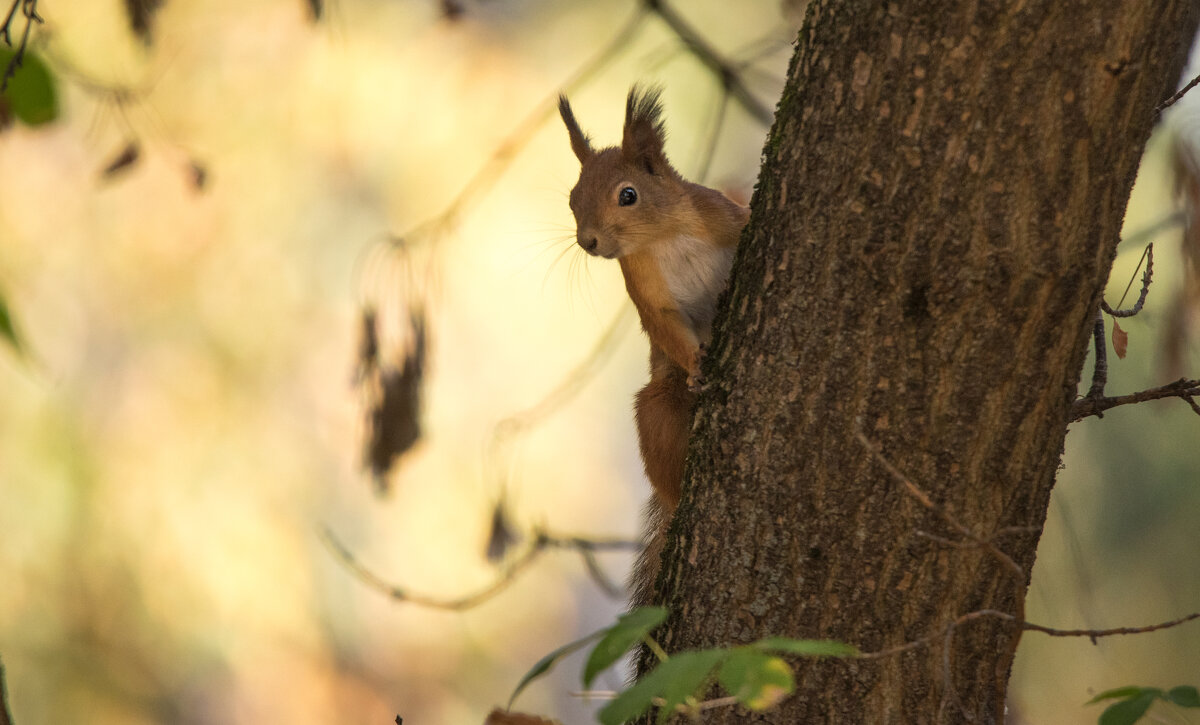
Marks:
<point>937,213</point>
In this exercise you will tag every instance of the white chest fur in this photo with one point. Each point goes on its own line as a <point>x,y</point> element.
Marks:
<point>696,272</point>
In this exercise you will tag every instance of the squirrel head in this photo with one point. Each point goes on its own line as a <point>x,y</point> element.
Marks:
<point>630,196</point>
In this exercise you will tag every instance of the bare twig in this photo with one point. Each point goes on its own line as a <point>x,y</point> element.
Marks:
<point>1091,404</point>
<point>486,177</point>
<point>1100,346</point>
<point>5,35</point>
<point>505,432</point>
<point>924,499</point>
<point>1148,258</point>
<point>1100,369</point>
<point>602,580</point>
<point>29,10</point>
<point>985,543</point>
<point>1092,634</point>
<point>508,574</point>
<point>1177,95</point>
<point>726,72</point>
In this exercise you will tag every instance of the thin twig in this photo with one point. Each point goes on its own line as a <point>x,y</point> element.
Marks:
<point>1025,626</point>
<point>985,543</point>
<point>29,10</point>
<point>508,574</point>
<point>928,503</point>
<point>486,177</point>
<point>725,71</point>
<point>1100,369</point>
<point>971,544</point>
<point>1148,258</point>
<point>945,635</point>
<point>611,588</point>
<point>1092,404</point>
<point>1178,94</point>
<point>518,424</point>
<point>5,35</point>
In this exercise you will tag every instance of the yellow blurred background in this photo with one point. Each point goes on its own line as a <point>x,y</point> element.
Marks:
<point>184,423</point>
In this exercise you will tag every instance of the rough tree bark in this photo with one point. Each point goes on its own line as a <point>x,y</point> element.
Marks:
<point>937,213</point>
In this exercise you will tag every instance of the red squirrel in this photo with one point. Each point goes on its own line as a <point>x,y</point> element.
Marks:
<point>674,241</point>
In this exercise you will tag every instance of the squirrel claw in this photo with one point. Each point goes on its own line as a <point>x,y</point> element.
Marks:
<point>696,383</point>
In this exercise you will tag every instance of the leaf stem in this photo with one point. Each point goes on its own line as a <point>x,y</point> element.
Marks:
<point>656,648</point>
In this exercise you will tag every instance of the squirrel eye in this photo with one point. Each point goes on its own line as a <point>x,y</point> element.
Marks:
<point>627,197</point>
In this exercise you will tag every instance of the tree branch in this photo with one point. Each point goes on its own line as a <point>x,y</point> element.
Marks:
<point>508,574</point>
<point>1090,404</point>
<point>1178,94</point>
<point>1100,369</point>
<point>1148,258</point>
<point>725,71</point>
<point>1092,634</point>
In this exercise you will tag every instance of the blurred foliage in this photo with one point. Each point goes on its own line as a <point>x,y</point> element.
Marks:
<point>32,95</point>
<point>1129,704</point>
<point>753,675</point>
<point>8,330</point>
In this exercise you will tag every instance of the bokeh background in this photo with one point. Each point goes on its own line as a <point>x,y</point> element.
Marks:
<point>182,421</point>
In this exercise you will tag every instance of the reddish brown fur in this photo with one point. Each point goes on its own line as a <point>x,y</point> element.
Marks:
<point>674,245</point>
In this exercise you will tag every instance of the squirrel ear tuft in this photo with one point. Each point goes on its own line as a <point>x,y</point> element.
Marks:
<point>645,132</point>
<point>579,140</point>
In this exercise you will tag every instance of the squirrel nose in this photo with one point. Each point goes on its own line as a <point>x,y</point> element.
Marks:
<point>589,245</point>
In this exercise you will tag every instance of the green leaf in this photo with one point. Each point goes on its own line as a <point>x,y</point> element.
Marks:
<point>758,680</point>
<point>1123,693</point>
<point>544,664</point>
<point>8,331</point>
<point>628,631</point>
<point>680,677</point>
<point>1184,696</point>
<point>689,675</point>
<point>1127,712</point>
<point>31,94</point>
<point>806,647</point>
<point>633,702</point>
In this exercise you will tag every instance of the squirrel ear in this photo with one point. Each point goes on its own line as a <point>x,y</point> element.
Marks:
<point>644,130</point>
<point>579,140</point>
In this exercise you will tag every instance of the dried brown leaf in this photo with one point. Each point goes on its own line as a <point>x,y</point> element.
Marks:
<point>368,345</point>
<point>393,419</point>
<point>1120,340</point>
